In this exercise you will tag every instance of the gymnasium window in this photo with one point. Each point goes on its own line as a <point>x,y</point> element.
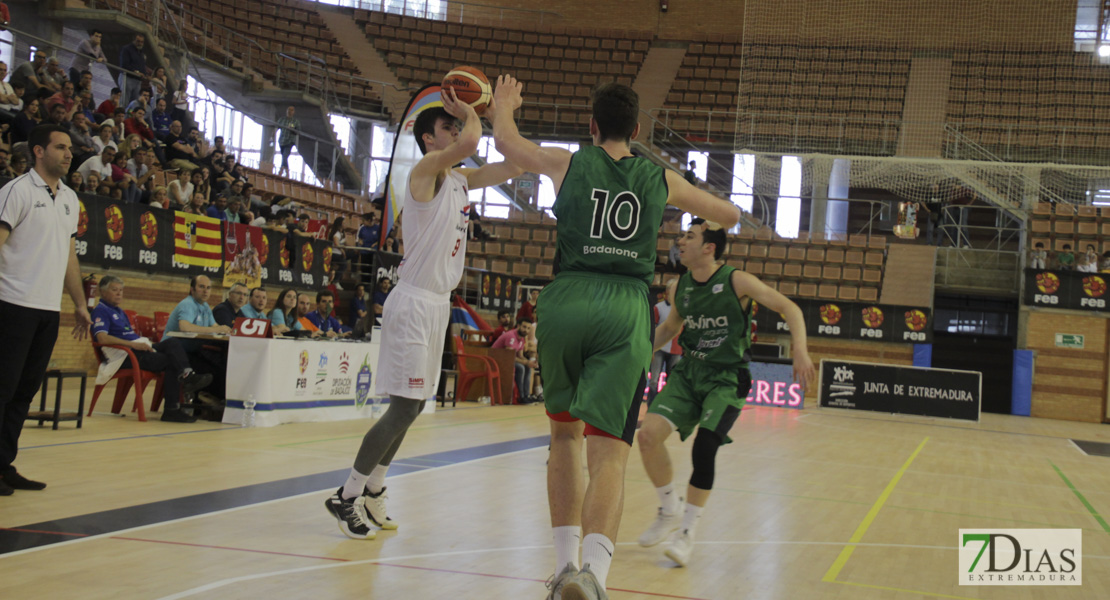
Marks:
<point>242,134</point>
<point>789,211</point>
<point>701,169</point>
<point>972,322</point>
<point>1086,21</point>
<point>547,187</point>
<point>424,9</point>
<point>743,174</point>
<point>381,149</point>
<point>492,202</point>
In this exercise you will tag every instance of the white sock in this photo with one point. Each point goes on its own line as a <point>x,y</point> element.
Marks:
<point>597,551</point>
<point>667,498</point>
<point>376,481</point>
<point>690,518</point>
<point>354,485</point>
<point>567,540</point>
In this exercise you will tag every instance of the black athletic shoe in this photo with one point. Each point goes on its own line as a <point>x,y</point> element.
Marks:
<point>351,515</point>
<point>178,416</point>
<point>18,482</point>
<point>5,489</point>
<point>195,381</point>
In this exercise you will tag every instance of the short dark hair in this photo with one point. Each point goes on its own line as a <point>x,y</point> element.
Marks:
<point>502,313</point>
<point>86,72</point>
<point>193,281</point>
<point>40,136</point>
<point>257,289</point>
<point>616,109</point>
<point>115,91</point>
<point>218,138</point>
<point>426,123</point>
<point>95,31</point>
<point>717,237</point>
<point>368,216</point>
<point>524,320</point>
<point>320,295</point>
<point>1067,246</point>
<point>1039,245</point>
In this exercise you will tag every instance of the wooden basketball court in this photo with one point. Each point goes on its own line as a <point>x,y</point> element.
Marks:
<point>817,503</point>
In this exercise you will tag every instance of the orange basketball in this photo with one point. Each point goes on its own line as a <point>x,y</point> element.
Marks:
<point>470,85</point>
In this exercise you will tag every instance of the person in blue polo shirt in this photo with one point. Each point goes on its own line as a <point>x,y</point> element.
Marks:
<point>193,315</point>
<point>323,318</point>
<point>111,326</point>
<point>255,308</point>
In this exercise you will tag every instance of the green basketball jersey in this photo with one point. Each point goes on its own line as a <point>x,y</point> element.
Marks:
<point>717,330</point>
<point>609,213</point>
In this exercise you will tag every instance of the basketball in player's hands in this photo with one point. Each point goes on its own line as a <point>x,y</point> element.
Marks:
<point>470,85</point>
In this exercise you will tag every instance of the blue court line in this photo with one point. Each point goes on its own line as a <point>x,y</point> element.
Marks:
<point>110,521</point>
<point>133,437</point>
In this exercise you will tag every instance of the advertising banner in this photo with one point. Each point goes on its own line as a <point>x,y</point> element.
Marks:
<point>853,321</point>
<point>242,249</point>
<point>498,292</point>
<point>386,264</point>
<point>904,390</point>
<point>1066,289</point>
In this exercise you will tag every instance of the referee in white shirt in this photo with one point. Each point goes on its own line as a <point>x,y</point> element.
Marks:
<point>38,223</point>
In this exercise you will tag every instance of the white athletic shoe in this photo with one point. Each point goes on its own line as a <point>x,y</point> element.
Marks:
<point>662,527</point>
<point>556,583</point>
<point>375,509</point>
<point>680,547</point>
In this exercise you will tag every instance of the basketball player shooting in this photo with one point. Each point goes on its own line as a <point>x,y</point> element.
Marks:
<point>595,318</point>
<point>416,314</point>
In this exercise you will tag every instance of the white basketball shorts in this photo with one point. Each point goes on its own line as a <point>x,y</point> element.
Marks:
<point>414,326</point>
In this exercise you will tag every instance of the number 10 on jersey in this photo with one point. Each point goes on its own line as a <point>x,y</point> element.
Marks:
<point>621,217</point>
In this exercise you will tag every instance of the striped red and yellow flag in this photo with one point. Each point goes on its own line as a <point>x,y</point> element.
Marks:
<point>197,240</point>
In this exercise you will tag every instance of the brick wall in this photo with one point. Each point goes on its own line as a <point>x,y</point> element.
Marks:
<point>144,294</point>
<point>1068,384</point>
<point>940,24</point>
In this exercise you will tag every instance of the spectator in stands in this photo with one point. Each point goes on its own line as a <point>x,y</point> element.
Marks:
<point>86,106</point>
<point>92,183</point>
<point>217,147</point>
<point>477,232</point>
<point>323,318</point>
<point>338,238</point>
<point>1066,259</point>
<point>64,98</point>
<point>181,101</point>
<point>25,121</point>
<point>180,190</point>
<point>289,127</point>
<point>11,102</point>
<point>179,153</point>
<point>199,144</point>
<point>51,76</point>
<point>81,136</point>
<point>1088,261</point>
<point>515,339</point>
<point>219,179</point>
<point>118,118</point>
<point>143,102</point>
<point>690,174</point>
<point>528,308</point>
<point>133,62</point>
<point>358,304</point>
<point>101,164</point>
<point>158,84</point>
<point>674,261</point>
<point>1104,264</point>
<point>227,311</point>
<point>136,125</point>
<point>377,303</point>
<point>27,76</point>
<point>87,51</point>
<point>255,308</point>
<point>665,358</point>
<point>197,205</point>
<point>112,326</point>
<point>125,180</point>
<point>218,208</point>
<point>6,171</point>
<point>161,119</point>
<point>19,163</point>
<point>159,198</point>
<point>391,244</point>
<point>75,182</point>
<point>1038,257</point>
<point>504,323</point>
<point>58,116</point>
<point>104,136</point>
<point>143,168</point>
<point>284,315</point>
<point>108,107</point>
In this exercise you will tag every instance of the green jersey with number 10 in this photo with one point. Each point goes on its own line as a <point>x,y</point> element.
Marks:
<point>609,213</point>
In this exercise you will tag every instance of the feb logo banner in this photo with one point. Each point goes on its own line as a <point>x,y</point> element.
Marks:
<point>1021,557</point>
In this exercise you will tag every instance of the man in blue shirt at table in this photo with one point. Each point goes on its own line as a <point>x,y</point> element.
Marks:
<point>112,326</point>
<point>255,308</point>
<point>193,315</point>
<point>323,318</point>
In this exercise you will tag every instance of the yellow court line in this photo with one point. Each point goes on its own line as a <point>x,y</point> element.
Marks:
<point>894,589</point>
<point>846,553</point>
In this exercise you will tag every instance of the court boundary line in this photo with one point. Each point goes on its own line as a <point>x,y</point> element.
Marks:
<point>245,506</point>
<point>861,530</point>
<point>1090,508</point>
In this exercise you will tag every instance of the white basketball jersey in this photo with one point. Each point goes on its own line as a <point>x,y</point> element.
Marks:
<point>435,237</point>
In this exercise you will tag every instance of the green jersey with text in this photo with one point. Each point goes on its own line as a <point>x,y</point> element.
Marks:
<point>716,328</point>
<point>609,213</point>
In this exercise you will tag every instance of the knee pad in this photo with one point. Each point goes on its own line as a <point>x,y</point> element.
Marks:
<point>704,457</point>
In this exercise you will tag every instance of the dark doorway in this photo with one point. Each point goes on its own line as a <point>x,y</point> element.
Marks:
<point>978,334</point>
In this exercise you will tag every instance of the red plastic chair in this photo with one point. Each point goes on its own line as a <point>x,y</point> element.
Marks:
<point>470,371</point>
<point>125,378</point>
<point>145,326</point>
<point>160,320</point>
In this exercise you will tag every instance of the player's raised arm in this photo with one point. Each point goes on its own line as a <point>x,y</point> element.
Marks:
<point>671,326</point>
<point>492,173</point>
<point>449,152</point>
<point>531,157</point>
<point>745,284</point>
<point>701,203</point>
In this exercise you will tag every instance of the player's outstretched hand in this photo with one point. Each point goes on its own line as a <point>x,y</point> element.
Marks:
<point>804,371</point>
<point>508,92</point>
<point>457,108</point>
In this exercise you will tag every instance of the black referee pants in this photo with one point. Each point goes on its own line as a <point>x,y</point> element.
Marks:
<point>27,337</point>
